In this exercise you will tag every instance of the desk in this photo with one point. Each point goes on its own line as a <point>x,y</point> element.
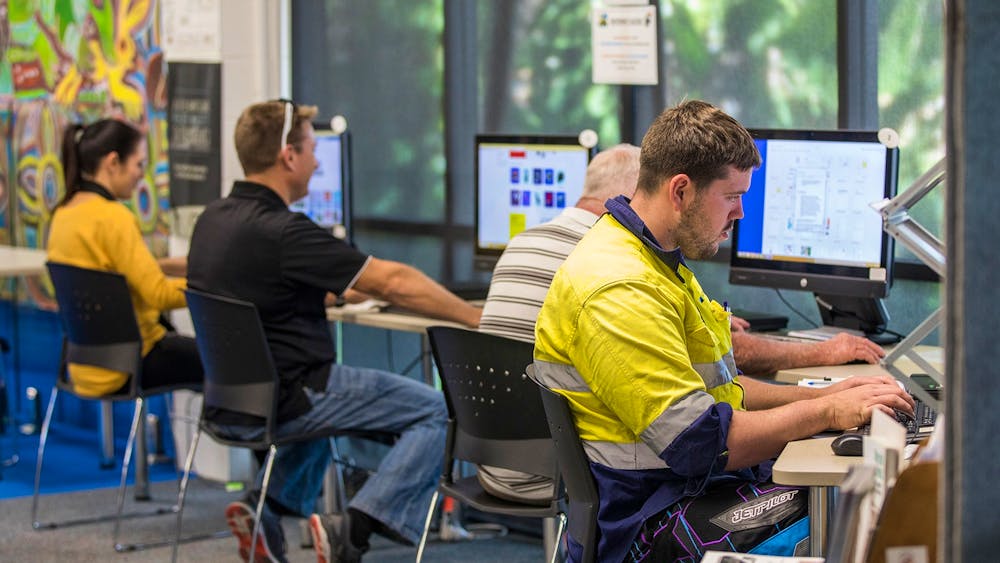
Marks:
<point>16,261</point>
<point>811,462</point>
<point>933,354</point>
<point>394,321</point>
<point>386,320</point>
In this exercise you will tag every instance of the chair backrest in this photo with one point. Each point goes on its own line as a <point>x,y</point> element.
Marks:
<point>496,416</point>
<point>95,310</point>
<point>240,376</point>
<point>575,469</point>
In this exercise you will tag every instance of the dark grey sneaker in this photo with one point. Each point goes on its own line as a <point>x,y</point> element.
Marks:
<point>270,547</point>
<point>331,535</point>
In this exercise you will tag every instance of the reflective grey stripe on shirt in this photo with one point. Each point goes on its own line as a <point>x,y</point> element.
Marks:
<point>559,376</point>
<point>676,419</point>
<point>636,455</point>
<point>717,373</point>
<point>655,438</point>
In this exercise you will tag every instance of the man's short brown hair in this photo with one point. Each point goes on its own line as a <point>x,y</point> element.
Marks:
<point>697,139</point>
<point>258,129</point>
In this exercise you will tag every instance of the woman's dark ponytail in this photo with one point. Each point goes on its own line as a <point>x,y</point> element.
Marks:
<point>71,160</point>
<point>84,147</point>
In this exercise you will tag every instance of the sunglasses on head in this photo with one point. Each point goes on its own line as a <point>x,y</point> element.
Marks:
<point>289,118</point>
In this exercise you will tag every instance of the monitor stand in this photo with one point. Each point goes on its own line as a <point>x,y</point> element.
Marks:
<point>867,314</point>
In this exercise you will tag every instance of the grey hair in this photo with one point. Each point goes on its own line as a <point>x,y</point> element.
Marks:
<point>613,172</point>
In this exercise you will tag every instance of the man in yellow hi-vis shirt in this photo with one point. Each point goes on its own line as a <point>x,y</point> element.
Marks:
<point>679,444</point>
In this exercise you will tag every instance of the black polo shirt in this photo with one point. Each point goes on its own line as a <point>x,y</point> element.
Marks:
<point>251,247</point>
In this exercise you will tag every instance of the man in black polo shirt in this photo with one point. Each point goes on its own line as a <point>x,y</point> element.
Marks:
<point>251,247</point>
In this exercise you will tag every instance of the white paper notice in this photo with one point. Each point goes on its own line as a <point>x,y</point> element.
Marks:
<point>907,554</point>
<point>725,557</point>
<point>623,43</point>
<point>192,30</point>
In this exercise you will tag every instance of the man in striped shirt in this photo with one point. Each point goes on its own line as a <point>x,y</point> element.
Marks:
<point>522,277</point>
<point>524,272</point>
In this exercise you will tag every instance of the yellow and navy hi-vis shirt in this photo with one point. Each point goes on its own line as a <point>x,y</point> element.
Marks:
<point>645,359</point>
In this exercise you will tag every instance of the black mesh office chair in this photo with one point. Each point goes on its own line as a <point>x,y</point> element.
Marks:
<point>100,330</point>
<point>495,418</point>
<point>575,470</point>
<point>240,377</point>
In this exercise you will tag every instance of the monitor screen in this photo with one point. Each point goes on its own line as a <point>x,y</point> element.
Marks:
<point>522,181</point>
<point>808,223</point>
<point>328,197</point>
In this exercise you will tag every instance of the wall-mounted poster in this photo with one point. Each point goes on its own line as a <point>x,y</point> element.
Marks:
<point>194,117</point>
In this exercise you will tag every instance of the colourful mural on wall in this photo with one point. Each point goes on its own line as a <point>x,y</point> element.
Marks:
<point>76,61</point>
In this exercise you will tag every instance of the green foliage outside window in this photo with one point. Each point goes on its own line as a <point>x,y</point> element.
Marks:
<point>771,63</point>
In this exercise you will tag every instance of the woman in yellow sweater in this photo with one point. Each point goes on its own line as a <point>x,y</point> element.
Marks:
<point>102,163</point>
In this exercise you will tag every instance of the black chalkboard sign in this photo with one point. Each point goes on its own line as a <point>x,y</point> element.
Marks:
<point>194,117</point>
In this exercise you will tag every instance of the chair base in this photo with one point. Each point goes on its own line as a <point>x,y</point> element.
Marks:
<point>37,525</point>
<point>452,529</point>
<point>125,548</point>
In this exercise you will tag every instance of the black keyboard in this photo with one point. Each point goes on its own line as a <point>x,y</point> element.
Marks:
<point>919,426</point>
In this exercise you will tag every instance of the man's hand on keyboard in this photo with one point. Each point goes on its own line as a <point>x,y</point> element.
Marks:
<point>853,399</point>
<point>844,348</point>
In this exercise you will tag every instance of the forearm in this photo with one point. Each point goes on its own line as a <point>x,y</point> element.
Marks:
<point>355,296</point>
<point>759,356</point>
<point>143,272</point>
<point>412,289</point>
<point>757,436</point>
<point>175,266</point>
<point>759,395</point>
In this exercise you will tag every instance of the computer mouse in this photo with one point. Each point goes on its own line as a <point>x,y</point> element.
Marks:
<point>848,444</point>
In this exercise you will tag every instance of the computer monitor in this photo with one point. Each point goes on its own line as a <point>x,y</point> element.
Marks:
<point>328,200</point>
<point>808,223</point>
<point>522,181</point>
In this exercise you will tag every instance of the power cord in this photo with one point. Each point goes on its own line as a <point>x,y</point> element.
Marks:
<point>414,362</point>
<point>388,351</point>
<point>391,361</point>
<point>794,310</point>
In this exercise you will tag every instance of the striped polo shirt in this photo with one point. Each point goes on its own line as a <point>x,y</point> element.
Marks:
<point>524,272</point>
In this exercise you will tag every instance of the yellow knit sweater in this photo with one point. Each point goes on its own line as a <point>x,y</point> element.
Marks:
<point>104,235</point>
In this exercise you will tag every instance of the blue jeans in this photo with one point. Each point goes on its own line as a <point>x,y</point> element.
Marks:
<point>399,493</point>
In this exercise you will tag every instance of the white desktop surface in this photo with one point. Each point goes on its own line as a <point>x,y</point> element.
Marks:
<point>387,320</point>
<point>933,354</point>
<point>812,463</point>
<point>17,261</point>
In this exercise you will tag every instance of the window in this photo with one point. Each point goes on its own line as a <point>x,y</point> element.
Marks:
<point>535,71</point>
<point>911,97</point>
<point>768,67</point>
<point>380,64</point>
